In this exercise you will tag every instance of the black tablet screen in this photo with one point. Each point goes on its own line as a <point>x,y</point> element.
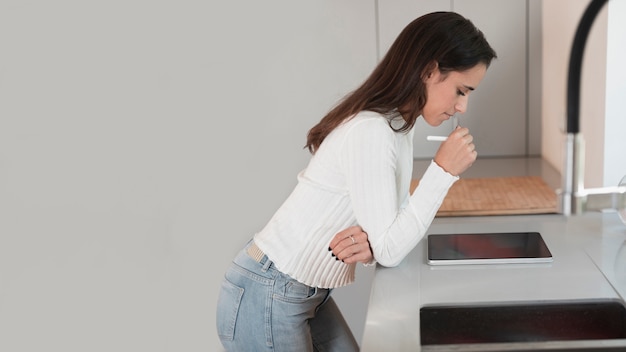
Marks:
<point>487,246</point>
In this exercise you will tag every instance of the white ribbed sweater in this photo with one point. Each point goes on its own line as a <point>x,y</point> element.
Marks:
<point>361,174</point>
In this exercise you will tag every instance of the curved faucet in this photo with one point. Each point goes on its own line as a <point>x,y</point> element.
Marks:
<point>574,198</point>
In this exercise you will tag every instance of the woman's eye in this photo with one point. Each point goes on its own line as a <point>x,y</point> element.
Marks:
<point>460,93</point>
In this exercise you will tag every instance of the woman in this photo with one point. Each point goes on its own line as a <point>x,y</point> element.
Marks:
<point>276,294</point>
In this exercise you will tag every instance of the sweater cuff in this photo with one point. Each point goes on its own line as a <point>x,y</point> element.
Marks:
<point>370,263</point>
<point>432,189</point>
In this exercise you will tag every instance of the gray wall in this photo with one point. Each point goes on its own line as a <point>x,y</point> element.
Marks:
<point>142,143</point>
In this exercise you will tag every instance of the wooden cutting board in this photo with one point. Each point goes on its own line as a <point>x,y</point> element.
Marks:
<point>497,196</point>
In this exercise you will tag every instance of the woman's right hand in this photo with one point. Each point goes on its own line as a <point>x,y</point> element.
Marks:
<point>457,153</point>
<point>351,246</point>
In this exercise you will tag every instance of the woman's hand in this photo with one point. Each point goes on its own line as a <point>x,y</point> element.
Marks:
<point>351,246</point>
<point>457,153</point>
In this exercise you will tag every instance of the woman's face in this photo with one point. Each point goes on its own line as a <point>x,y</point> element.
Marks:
<point>448,93</point>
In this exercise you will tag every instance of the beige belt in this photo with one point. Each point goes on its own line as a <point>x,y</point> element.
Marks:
<point>255,252</point>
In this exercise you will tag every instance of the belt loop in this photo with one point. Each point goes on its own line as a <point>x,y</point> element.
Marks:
<point>267,264</point>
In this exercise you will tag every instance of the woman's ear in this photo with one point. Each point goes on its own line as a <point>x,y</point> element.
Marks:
<point>432,69</point>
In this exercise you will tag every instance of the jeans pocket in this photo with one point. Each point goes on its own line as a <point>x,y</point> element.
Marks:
<point>228,304</point>
<point>295,291</point>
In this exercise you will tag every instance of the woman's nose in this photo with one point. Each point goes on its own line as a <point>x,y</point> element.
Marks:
<point>461,105</point>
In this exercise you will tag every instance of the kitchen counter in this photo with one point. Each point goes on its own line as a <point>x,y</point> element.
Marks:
<point>589,263</point>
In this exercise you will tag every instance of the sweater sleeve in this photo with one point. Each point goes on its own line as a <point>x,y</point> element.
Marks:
<point>369,156</point>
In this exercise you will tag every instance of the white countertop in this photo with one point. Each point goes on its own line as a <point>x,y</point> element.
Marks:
<point>589,263</point>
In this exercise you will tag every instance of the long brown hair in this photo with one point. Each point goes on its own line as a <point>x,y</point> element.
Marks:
<point>445,40</point>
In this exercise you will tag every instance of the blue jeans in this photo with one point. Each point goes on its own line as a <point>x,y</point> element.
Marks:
<point>261,309</point>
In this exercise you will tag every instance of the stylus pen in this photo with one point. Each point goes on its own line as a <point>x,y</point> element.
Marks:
<point>436,138</point>
<point>455,124</point>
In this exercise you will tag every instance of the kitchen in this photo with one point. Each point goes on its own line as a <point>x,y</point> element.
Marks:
<point>509,307</point>
<point>144,143</point>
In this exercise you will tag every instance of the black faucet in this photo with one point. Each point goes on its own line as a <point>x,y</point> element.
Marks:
<point>574,198</point>
<point>576,63</point>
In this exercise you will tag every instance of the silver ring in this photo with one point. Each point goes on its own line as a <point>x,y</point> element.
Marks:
<point>352,238</point>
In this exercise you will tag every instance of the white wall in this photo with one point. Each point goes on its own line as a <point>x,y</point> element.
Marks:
<point>615,124</point>
<point>141,145</point>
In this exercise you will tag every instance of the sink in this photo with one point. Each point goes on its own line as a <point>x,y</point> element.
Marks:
<point>513,323</point>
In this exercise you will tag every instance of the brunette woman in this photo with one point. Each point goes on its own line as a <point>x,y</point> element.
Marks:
<point>276,294</point>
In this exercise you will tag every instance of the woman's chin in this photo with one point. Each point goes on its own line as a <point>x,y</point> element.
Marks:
<point>435,123</point>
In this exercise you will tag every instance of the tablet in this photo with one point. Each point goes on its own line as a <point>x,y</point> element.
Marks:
<point>487,248</point>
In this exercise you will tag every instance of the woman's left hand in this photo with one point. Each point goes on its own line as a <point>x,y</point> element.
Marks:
<point>351,246</point>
